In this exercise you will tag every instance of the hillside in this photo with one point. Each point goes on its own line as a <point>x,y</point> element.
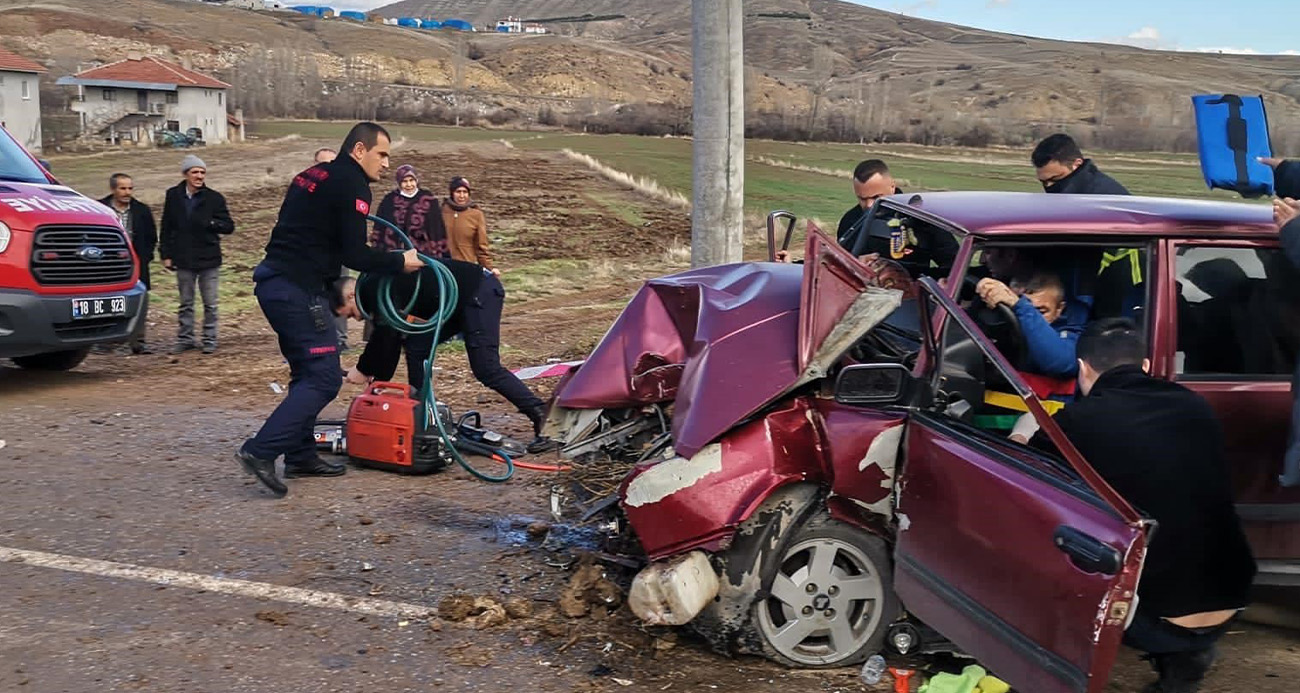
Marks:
<point>868,61</point>
<point>863,71</point>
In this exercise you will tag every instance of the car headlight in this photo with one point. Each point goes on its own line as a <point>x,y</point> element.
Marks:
<point>5,235</point>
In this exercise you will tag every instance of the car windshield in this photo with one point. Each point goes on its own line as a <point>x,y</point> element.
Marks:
<point>16,165</point>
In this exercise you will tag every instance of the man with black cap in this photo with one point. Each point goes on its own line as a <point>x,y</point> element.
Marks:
<point>322,226</point>
<point>194,219</point>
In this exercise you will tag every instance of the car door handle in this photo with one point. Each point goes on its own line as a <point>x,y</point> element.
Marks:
<point>1086,553</point>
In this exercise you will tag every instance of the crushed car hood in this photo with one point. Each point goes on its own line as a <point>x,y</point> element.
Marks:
<point>723,342</point>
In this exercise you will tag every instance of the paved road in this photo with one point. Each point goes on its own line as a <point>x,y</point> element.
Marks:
<point>135,556</point>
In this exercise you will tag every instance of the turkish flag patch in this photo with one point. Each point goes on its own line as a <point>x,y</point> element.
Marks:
<point>363,206</point>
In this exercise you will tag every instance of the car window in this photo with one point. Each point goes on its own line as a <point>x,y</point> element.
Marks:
<point>1238,313</point>
<point>15,165</point>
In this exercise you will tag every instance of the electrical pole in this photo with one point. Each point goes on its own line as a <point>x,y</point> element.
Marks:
<point>718,152</point>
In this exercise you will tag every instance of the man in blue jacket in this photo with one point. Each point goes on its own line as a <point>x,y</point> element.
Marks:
<point>1051,330</point>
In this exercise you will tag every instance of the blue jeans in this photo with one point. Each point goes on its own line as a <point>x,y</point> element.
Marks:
<point>310,344</point>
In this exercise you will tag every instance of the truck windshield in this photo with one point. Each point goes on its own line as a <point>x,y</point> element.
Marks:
<point>16,165</point>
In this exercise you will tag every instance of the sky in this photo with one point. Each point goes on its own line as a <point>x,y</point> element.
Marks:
<point>1257,26</point>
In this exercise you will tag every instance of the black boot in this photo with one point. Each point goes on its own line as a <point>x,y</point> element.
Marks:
<point>315,467</point>
<point>264,470</point>
<point>540,443</point>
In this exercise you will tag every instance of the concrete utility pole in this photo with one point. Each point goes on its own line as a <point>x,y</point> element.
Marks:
<point>718,153</point>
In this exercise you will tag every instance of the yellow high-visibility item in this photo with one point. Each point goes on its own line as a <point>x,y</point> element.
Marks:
<point>1010,401</point>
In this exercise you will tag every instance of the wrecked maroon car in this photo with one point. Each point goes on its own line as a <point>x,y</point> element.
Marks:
<point>821,462</point>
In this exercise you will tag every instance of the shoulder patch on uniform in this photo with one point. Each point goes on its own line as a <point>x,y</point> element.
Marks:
<point>363,206</point>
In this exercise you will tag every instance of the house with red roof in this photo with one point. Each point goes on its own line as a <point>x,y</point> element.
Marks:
<point>20,98</point>
<point>140,98</point>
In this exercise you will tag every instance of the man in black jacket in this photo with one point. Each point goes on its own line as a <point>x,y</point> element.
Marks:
<point>1062,169</point>
<point>916,247</point>
<point>194,219</point>
<point>137,220</point>
<point>871,181</point>
<point>321,227</point>
<point>1160,446</point>
<point>477,315</point>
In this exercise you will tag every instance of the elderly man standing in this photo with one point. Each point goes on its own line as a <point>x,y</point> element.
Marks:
<point>194,219</point>
<point>137,220</point>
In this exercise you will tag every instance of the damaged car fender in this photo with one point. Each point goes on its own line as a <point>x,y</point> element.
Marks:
<point>757,542</point>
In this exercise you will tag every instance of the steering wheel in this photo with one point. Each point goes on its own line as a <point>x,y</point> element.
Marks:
<point>1001,326</point>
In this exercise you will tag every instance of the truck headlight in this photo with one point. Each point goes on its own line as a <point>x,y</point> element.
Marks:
<point>5,235</point>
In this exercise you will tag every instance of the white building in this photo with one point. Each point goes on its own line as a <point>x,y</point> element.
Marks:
<point>140,98</point>
<point>20,99</point>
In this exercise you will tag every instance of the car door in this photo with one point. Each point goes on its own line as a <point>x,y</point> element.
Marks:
<point>1025,562</point>
<point>1231,330</point>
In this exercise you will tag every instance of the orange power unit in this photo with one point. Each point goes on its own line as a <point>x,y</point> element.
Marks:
<point>382,432</point>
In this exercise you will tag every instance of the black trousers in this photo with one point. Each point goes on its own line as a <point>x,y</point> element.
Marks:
<point>480,323</point>
<point>1154,635</point>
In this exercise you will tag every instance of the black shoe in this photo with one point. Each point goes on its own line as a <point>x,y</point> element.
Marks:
<point>316,467</point>
<point>209,348</point>
<point>264,470</point>
<point>140,350</point>
<point>181,348</point>
<point>1181,672</point>
<point>541,444</point>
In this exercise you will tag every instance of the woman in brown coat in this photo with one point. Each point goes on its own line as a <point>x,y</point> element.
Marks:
<point>466,226</point>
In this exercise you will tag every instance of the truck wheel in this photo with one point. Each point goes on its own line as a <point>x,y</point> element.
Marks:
<point>831,598</point>
<point>52,361</point>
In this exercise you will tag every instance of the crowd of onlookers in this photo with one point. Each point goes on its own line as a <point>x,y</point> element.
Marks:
<point>194,217</point>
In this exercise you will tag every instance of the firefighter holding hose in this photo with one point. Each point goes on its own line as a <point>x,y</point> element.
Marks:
<point>476,314</point>
<point>321,226</point>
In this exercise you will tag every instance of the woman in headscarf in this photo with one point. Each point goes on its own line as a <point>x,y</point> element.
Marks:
<point>466,226</point>
<point>415,211</point>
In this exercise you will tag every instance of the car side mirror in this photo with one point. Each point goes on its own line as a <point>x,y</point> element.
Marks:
<point>873,383</point>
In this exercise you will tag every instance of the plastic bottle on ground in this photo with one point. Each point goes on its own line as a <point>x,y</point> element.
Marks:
<point>873,669</point>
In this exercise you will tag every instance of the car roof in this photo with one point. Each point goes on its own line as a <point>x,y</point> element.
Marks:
<point>995,213</point>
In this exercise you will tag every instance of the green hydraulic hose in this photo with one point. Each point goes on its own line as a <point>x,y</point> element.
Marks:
<point>400,319</point>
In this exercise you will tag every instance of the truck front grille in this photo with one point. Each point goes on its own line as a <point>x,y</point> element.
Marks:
<point>81,256</point>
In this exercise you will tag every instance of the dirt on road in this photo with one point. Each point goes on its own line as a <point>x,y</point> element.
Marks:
<point>138,557</point>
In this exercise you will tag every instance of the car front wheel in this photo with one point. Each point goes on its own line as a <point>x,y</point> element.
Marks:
<point>831,598</point>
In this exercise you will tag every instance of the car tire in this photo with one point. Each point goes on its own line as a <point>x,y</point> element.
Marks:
<point>829,598</point>
<point>53,360</point>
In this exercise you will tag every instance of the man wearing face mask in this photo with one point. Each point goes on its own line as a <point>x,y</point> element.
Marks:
<point>321,226</point>
<point>1062,169</point>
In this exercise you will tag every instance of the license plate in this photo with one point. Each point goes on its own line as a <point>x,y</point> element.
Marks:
<point>108,307</point>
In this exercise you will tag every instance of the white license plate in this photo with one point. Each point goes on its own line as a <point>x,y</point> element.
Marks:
<point>107,307</point>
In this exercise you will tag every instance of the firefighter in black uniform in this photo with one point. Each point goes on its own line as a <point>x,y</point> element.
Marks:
<point>322,226</point>
<point>477,315</point>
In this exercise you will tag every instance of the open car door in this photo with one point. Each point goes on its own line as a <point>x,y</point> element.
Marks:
<point>1027,563</point>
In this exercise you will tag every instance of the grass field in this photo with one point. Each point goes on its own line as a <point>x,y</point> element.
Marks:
<point>812,180</point>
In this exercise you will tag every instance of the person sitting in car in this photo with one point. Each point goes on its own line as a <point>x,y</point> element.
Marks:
<point>1050,330</point>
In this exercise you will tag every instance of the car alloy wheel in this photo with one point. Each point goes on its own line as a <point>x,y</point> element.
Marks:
<point>829,597</point>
